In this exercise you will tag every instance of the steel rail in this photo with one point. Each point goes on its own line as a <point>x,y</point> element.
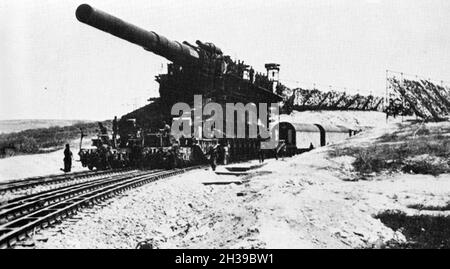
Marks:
<point>30,203</point>
<point>26,225</point>
<point>27,183</point>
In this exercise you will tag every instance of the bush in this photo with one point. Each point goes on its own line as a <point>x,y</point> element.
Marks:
<point>427,153</point>
<point>36,140</point>
<point>423,167</point>
<point>27,145</point>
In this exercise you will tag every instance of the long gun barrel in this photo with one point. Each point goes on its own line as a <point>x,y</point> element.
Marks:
<point>172,50</point>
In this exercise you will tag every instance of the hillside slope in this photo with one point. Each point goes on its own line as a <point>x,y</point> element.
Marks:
<point>11,126</point>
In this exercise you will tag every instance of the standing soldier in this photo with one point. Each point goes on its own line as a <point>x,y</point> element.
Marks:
<point>213,151</point>
<point>260,150</point>
<point>165,133</point>
<point>166,128</point>
<point>226,153</point>
<point>67,159</point>
<point>199,157</point>
<point>251,74</point>
<point>103,133</point>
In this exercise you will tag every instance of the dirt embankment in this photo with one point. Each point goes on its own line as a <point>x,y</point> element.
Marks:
<point>415,156</point>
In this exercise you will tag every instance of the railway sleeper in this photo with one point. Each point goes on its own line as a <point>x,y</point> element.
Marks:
<point>61,205</point>
<point>42,213</point>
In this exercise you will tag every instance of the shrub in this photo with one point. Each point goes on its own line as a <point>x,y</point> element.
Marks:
<point>35,140</point>
<point>403,153</point>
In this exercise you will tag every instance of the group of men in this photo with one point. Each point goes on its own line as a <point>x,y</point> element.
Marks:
<point>215,153</point>
<point>103,134</point>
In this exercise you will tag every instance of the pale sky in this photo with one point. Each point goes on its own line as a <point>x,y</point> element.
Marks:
<point>54,67</point>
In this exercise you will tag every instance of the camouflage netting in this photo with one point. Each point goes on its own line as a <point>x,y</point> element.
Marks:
<point>314,99</point>
<point>423,98</point>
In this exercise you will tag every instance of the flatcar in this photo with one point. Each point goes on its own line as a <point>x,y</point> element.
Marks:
<point>301,137</point>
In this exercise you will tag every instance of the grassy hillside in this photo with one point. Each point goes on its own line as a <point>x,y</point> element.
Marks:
<point>418,148</point>
<point>11,126</point>
<point>44,139</point>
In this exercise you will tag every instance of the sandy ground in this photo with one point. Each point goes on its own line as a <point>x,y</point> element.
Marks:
<point>40,164</point>
<point>308,201</point>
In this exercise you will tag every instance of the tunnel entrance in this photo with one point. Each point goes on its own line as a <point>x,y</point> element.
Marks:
<point>287,133</point>
<point>323,141</point>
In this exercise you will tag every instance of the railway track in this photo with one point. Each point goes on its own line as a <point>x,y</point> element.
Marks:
<point>27,183</point>
<point>23,216</point>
